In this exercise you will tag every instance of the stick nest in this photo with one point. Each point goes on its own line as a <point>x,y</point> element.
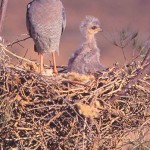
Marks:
<point>70,111</point>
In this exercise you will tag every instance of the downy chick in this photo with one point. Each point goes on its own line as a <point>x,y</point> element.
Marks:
<point>86,59</point>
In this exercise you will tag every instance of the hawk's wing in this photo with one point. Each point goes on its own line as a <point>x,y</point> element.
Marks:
<point>28,22</point>
<point>64,19</point>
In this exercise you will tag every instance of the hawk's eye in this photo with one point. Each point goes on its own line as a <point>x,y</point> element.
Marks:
<point>94,27</point>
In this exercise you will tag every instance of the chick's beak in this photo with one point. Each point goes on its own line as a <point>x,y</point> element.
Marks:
<point>99,29</point>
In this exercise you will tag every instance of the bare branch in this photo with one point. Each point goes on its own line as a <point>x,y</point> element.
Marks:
<point>145,66</point>
<point>3,8</point>
<point>18,41</point>
<point>19,57</point>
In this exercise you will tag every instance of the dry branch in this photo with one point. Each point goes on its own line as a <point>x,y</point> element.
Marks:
<point>139,74</point>
<point>18,41</point>
<point>19,57</point>
<point>3,8</point>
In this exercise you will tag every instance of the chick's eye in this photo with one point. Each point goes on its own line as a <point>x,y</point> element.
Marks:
<point>94,27</point>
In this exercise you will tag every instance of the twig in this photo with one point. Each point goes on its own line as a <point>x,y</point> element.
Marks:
<point>74,82</point>
<point>19,57</point>
<point>18,41</point>
<point>123,42</point>
<point>25,54</point>
<point>140,73</point>
<point>146,58</point>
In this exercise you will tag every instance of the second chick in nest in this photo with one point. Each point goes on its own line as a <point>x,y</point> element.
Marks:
<point>86,59</point>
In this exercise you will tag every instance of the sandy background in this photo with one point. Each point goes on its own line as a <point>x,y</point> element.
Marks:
<point>113,14</point>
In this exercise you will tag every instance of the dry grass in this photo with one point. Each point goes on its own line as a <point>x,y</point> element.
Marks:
<point>70,111</point>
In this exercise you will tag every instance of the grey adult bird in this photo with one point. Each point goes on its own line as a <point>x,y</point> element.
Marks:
<point>46,22</point>
<point>86,59</point>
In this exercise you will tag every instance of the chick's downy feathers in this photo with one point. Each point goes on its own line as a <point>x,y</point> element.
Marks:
<point>86,59</point>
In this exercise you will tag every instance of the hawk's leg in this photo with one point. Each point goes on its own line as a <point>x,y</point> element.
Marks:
<point>54,63</point>
<point>41,63</point>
